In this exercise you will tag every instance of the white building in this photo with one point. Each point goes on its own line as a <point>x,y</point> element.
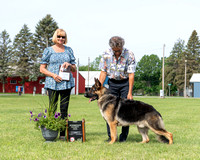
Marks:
<point>89,77</point>
<point>195,81</point>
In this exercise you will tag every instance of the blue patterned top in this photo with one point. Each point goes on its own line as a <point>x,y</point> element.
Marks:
<point>53,61</point>
<point>118,69</point>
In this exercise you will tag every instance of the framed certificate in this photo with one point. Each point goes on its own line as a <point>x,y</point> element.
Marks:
<point>64,73</point>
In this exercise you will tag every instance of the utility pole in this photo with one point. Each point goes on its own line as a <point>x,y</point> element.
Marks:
<point>185,94</point>
<point>77,78</point>
<point>88,71</point>
<point>163,71</point>
<point>169,88</point>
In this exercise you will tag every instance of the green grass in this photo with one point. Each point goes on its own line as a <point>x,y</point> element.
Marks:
<point>19,139</point>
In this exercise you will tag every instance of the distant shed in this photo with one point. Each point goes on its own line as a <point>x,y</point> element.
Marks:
<point>195,81</point>
<point>89,78</point>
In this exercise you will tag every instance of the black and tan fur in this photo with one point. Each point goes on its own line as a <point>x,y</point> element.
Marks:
<point>123,112</point>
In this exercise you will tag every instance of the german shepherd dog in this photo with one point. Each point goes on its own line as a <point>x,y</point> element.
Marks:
<point>124,112</point>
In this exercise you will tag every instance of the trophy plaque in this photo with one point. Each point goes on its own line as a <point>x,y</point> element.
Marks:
<point>76,131</point>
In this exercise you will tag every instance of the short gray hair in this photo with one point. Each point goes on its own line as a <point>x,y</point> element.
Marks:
<point>116,41</point>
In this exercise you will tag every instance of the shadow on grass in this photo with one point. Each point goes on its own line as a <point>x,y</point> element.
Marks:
<point>137,138</point>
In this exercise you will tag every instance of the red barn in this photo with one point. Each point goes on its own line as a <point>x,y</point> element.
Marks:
<point>13,82</point>
<point>81,86</point>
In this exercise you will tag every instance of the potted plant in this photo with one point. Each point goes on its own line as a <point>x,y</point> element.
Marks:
<point>50,123</point>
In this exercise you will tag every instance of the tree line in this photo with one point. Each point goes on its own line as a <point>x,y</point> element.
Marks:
<point>22,56</point>
<point>148,75</point>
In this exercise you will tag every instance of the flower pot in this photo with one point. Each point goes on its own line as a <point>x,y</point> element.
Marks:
<point>49,135</point>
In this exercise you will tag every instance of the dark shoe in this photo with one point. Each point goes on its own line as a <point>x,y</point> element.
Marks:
<point>108,140</point>
<point>122,137</point>
<point>122,140</point>
<point>62,138</point>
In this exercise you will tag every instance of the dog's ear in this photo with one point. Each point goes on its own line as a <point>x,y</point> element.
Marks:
<point>96,80</point>
<point>97,83</point>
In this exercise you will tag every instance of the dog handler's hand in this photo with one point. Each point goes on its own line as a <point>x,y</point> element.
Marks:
<point>57,78</point>
<point>129,96</point>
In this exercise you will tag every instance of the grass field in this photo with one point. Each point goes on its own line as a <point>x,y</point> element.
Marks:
<point>19,139</point>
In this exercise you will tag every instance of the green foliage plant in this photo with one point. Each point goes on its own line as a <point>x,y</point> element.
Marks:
<point>49,119</point>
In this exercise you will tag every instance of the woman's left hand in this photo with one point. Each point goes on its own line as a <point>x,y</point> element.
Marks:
<point>66,65</point>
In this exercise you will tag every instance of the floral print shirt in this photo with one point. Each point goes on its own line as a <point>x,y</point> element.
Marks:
<point>118,69</point>
<point>53,61</point>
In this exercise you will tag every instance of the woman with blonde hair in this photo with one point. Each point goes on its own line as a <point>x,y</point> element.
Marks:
<point>55,57</point>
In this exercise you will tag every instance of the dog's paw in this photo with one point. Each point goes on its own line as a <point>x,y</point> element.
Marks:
<point>111,142</point>
<point>144,141</point>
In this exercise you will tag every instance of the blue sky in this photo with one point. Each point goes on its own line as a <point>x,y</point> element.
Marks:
<point>146,25</point>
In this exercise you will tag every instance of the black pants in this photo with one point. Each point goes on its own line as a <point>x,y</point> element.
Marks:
<point>120,89</point>
<point>64,102</point>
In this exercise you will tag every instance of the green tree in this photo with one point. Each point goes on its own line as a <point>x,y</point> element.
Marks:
<point>44,32</point>
<point>94,65</point>
<point>147,75</point>
<point>172,66</point>
<point>190,58</point>
<point>42,38</point>
<point>5,57</point>
<point>83,68</point>
<point>192,54</point>
<point>180,57</point>
<point>23,57</point>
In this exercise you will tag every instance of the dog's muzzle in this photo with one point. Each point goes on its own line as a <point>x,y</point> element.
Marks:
<point>91,96</point>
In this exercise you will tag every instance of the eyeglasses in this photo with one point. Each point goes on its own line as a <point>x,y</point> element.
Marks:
<point>63,37</point>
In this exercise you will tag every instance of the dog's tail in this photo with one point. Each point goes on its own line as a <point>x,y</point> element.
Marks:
<point>162,139</point>
<point>156,124</point>
<point>163,135</point>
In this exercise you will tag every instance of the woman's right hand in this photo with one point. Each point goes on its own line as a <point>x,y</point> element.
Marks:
<point>43,70</point>
<point>57,78</point>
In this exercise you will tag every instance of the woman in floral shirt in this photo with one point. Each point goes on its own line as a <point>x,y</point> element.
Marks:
<point>53,58</point>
